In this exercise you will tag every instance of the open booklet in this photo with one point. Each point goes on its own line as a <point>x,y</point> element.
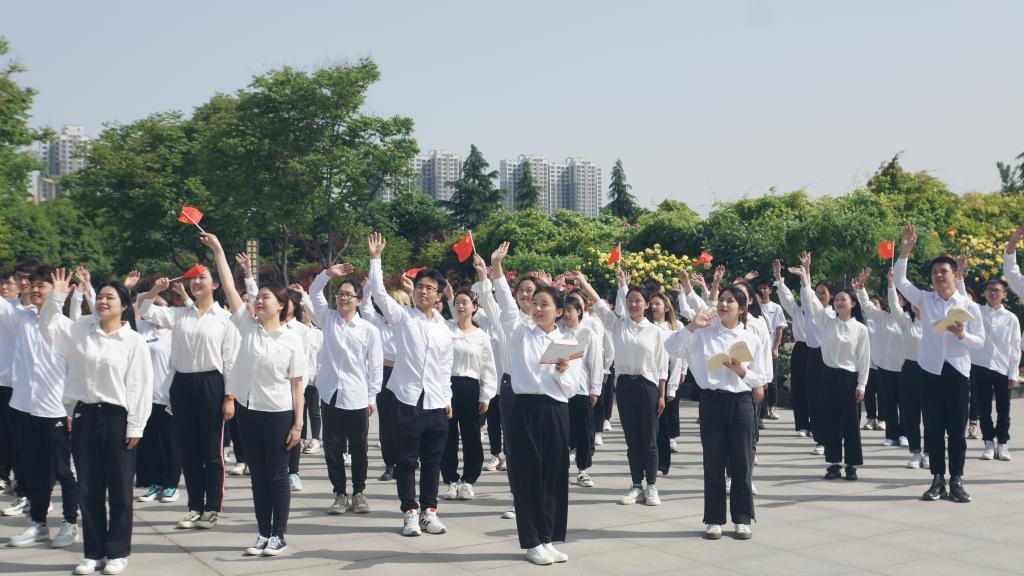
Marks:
<point>955,315</point>
<point>738,352</point>
<point>562,349</point>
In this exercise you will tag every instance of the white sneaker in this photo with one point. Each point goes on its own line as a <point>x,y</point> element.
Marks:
<point>86,567</point>
<point>756,463</point>
<point>572,456</point>
<point>17,507</point>
<point>753,488</point>
<point>583,479</point>
<point>1003,453</point>
<point>430,523</point>
<point>312,447</point>
<point>989,452</point>
<point>915,461</point>
<point>904,443</point>
<point>651,496</point>
<point>31,535</point>
<point>275,546</point>
<point>411,527</point>
<point>801,433</point>
<point>348,459</point>
<point>492,464</point>
<point>607,427</point>
<point>509,513</point>
<point>889,442</point>
<point>819,450</point>
<point>295,482</point>
<point>926,462</point>
<point>712,531</point>
<point>466,491</point>
<point>672,446</point>
<point>660,474</point>
<point>452,492</point>
<point>773,414</point>
<point>598,441</point>
<point>189,521</point>
<point>880,425</point>
<point>869,424</point>
<point>728,486</point>
<point>67,535</point>
<point>237,469</point>
<point>539,555</point>
<point>115,566</point>
<point>555,554</point>
<point>743,532</point>
<point>229,454</point>
<point>634,496</point>
<point>502,463</point>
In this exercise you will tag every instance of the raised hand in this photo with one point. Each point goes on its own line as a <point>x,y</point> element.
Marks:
<point>297,287</point>
<point>777,268</point>
<point>1015,238</point>
<point>339,270</point>
<point>698,280</point>
<point>84,278</point>
<point>805,260</point>
<point>132,280</point>
<point>622,277</point>
<point>909,237</point>
<point>800,273</point>
<point>162,284</point>
<point>243,261</point>
<point>210,241</point>
<point>544,277</point>
<point>719,274</point>
<point>61,279</point>
<point>448,292</point>
<point>407,284</point>
<point>961,265</point>
<point>751,276</point>
<point>499,254</point>
<point>179,289</point>
<point>375,244</point>
<point>890,274</point>
<point>685,282</point>
<point>702,320</point>
<point>480,266</point>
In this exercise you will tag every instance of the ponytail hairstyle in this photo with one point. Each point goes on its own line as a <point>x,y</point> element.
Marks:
<point>741,299</point>
<point>128,312</point>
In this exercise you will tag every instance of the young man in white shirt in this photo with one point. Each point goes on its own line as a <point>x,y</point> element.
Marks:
<point>946,362</point>
<point>421,382</point>
<point>15,291</point>
<point>776,320</point>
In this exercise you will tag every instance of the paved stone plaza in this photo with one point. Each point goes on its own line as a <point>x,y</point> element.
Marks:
<point>805,525</point>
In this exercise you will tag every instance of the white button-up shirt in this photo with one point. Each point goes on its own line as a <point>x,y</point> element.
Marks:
<point>201,343</point>
<point>492,312</point>
<point>793,309</point>
<point>267,363</point>
<point>811,333</point>
<point>774,317</point>
<point>8,336</point>
<point>38,372</point>
<point>105,368</point>
<point>368,313</point>
<point>910,330</point>
<point>159,341</point>
<point>1012,272</point>
<point>352,358</point>
<point>702,344</point>
<point>938,349</point>
<point>757,326</point>
<point>423,365</point>
<point>639,346</point>
<point>473,357</point>
<point>884,332</point>
<point>845,344</point>
<point>1001,352</point>
<point>586,373</point>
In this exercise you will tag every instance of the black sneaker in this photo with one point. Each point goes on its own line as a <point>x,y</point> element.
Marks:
<point>275,546</point>
<point>851,473</point>
<point>956,490</point>
<point>833,472</point>
<point>388,475</point>
<point>937,489</point>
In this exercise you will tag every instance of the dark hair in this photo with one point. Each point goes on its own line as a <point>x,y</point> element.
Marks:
<point>856,312</point>
<point>578,292</point>
<point>356,287</point>
<point>943,260</point>
<point>218,293</point>
<point>282,296</point>
<point>763,283</point>
<point>574,303</point>
<point>881,302</point>
<point>128,314</point>
<point>753,306</point>
<point>830,286</point>
<point>467,292</point>
<point>741,299</point>
<point>432,274</point>
<point>670,310</point>
<point>27,266</point>
<point>996,281</point>
<point>907,307</point>
<point>556,296</point>
<point>296,299</point>
<point>41,273</point>
<point>533,280</point>
<point>641,290</point>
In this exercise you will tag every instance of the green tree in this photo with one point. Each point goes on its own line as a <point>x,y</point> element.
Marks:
<point>416,217</point>
<point>475,198</point>
<point>621,203</point>
<point>527,191</point>
<point>1012,177</point>
<point>16,163</point>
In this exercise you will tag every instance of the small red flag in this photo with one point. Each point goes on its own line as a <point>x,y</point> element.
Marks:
<point>886,250</point>
<point>190,215</point>
<point>194,271</point>
<point>412,272</point>
<point>464,248</point>
<point>616,255</point>
<point>705,258</point>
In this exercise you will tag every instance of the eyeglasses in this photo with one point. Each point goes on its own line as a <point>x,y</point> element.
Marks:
<point>346,295</point>
<point>425,288</point>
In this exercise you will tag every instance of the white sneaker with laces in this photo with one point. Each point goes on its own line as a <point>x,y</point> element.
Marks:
<point>926,462</point>
<point>295,482</point>
<point>554,553</point>
<point>31,535</point>
<point>502,463</point>
<point>452,492</point>
<point>115,566</point>
<point>801,433</point>
<point>1003,453</point>
<point>598,441</point>
<point>16,507</point>
<point>466,491</point>
<point>651,496</point>
<point>67,535</point>
<point>869,424</point>
<point>189,521</point>
<point>889,442</point>
<point>275,546</point>
<point>509,513</point>
<point>819,450</point>
<point>607,427</point>
<point>583,479</point>
<point>152,493</point>
<point>257,548</point>
<point>411,526</point>
<point>672,446</point>
<point>237,469</point>
<point>430,523</point>
<point>712,531</point>
<point>634,496</point>
<point>989,452</point>
<point>915,461</point>
<point>312,447</point>
<point>86,567</point>
<point>743,532</point>
<point>492,464</point>
<point>539,555</point>
<point>904,443</point>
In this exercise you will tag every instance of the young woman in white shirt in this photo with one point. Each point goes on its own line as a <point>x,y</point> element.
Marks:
<point>586,375</point>
<point>663,314</point>
<point>538,425</point>
<point>474,383</point>
<point>641,367</point>
<point>203,349</point>
<point>267,381</point>
<point>911,377</point>
<point>727,399</point>
<point>846,353</point>
<point>109,386</point>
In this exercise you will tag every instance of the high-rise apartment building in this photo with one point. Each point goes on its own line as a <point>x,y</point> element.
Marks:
<point>571,185</point>
<point>60,158</point>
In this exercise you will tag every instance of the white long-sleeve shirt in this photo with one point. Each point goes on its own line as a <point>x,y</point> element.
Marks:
<point>677,364</point>
<point>267,362</point>
<point>387,339</point>
<point>424,347</point>
<point>314,343</point>
<point>793,309</point>
<point>38,373</point>
<point>702,344</point>
<point>9,337</point>
<point>473,358</point>
<point>811,332</point>
<point>1001,352</point>
<point>845,344</point>
<point>773,316</point>
<point>884,333</point>
<point>938,349</point>
<point>110,368</point>
<point>489,306</point>
<point>1012,272</point>
<point>586,373</point>
<point>202,343</point>
<point>158,340</point>
<point>756,325</point>
<point>910,330</point>
<point>352,356</point>
<point>639,346</point>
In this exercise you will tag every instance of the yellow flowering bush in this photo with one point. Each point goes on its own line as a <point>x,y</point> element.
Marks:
<point>984,259</point>
<point>654,263</point>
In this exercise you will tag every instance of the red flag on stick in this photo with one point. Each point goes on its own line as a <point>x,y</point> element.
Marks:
<point>886,250</point>
<point>705,258</point>
<point>615,255</point>
<point>190,215</point>
<point>192,272</point>
<point>464,248</point>
<point>412,272</point>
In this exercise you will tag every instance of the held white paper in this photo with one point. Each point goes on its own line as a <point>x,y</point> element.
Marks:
<point>562,349</point>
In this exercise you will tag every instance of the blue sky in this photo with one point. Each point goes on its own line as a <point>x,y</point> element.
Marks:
<point>702,101</point>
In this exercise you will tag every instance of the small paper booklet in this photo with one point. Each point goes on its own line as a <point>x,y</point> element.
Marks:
<point>738,351</point>
<point>956,314</point>
<point>558,349</point>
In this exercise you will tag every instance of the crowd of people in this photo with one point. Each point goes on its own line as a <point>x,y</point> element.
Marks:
<point>109,388</point>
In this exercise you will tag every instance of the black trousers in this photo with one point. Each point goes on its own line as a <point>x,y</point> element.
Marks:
<point>385,415</point>
<point>465,424</point>
<point>345,431</point>
<point>420,436</point>
<point>494,418</point>
<point>159,458</point>
<point>911,380</point>
<point>798,387</point>
<point>972,406</point>
<point>872,397</point>
<point>311,419</point>
<point>234,435</point>
<point>889,386</point>
<point>539,436</point>
<point>672,409</point>
<point>105,466</point>
<point>638,413</point>
<point>944,403</point>
<point>581,430</point>
<point>7,437</point>
<point>813,385</point>
<point>603,408</point>
<point>45,448</point>
<point>771,392</point>
<point>508,403</point>
<point>668,428</point>
<point>13,418</point>
<point>840,419</point>
<point>266,433</point>
<point>727,438</point>
<point>196,401</point>
<point>985,385</point>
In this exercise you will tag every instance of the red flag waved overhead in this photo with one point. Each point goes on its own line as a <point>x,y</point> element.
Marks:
<point>886,250</point>
<point>464,248</point>
<point>616,255</point>
<point>705,258</point>
<point>190,215</point>
<point>412,272</point>
<point>194,271</point>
